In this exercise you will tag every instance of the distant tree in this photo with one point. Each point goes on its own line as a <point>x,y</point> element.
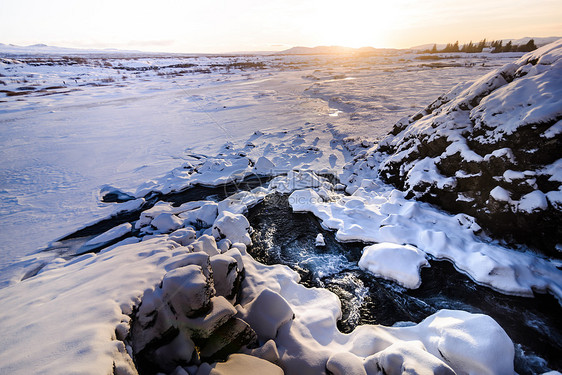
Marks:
<point>528,47</point>
<point>481,45</point>
<point>508,47</point>
<point>456,46</point>
<point>497,46</point>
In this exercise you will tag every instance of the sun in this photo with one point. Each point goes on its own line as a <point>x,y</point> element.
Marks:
<point>354,23</point>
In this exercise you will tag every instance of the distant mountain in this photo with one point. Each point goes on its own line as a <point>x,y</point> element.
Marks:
<point>332,50</point>
<point>539,42</point>
<point>423,47</point>
<point>43,49</point>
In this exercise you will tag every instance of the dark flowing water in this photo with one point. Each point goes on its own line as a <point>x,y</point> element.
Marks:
<point>284,237</point>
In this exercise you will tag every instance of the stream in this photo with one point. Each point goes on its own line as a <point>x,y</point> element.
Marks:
<point>283,237</point>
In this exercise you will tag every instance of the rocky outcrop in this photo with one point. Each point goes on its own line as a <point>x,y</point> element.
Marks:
<point>193,318</point>
<point>491,149</point>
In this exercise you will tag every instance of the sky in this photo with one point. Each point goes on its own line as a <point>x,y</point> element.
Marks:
<point>207,26</point>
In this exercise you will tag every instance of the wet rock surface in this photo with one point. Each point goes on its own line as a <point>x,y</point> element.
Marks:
<point>281,236</point>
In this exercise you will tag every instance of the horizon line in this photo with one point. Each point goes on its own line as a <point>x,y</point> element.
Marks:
<point>257,51</point>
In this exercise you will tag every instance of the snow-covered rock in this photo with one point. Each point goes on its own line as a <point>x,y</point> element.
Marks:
<point>201,217</point>
<point>166,222</point>
<point>491,149</point>
<point>264,166</point>
<point>232,226</point>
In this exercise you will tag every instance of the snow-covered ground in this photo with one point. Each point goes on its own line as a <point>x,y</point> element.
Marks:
<point>70,125</point>
<point>158,124</point>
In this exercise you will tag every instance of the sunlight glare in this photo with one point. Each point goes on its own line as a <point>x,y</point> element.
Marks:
<point>358,23</point>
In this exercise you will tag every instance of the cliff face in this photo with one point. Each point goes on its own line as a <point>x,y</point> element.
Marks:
<point>491,149</point>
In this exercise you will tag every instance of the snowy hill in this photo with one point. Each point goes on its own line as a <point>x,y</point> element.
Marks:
<point>540,41</point>
<point>331,50</point>
<point>491,149</point>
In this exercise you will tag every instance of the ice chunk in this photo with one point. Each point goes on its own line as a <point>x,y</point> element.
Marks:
<point>148,215</point>
<point>319,242</point>
<point>400,263</point>
<point>298,180</point>
<point>105,238</point>
<point>128,206</point>
<point>264,165</point>
<point>202,217</point>
<point>303,200</point>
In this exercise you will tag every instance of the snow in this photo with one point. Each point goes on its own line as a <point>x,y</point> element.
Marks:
<point>534,201</point>
<point>74,315</point>
<point>319,241</point>
<point>203,216</point>
<point>383,215</point>
<point>166,222</point>
<point>65,318</point>
<point>467,343</point>
<point>98,127</point>
<point>500,194</point>
<point>72,311</point>
<point>507,108</point>
<point>395,262</point>
<point>235,227</point>
<point>554,130</point>
<point>104,238</point>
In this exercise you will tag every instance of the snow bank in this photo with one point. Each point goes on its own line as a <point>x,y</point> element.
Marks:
<point>64,319</point>
<point>488,149</point>
<point>383,215</point>
<point>310,343</point>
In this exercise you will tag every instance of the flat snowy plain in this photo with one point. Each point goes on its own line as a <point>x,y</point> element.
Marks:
<point>75,126</point>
